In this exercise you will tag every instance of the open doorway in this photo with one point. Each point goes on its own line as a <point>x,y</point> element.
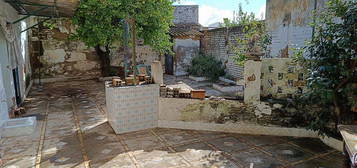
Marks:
<point>15,73</point>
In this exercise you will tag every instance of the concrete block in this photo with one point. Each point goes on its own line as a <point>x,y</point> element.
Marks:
<point>252,73</point>
<point>197,79</point>
<point>229,89</point>
<point>157,73</point>
<point>223,79</point>
<point>19,126</point>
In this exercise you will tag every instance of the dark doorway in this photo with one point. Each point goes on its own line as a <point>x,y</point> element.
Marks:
<point>169,64</point>
<point>15,73</point>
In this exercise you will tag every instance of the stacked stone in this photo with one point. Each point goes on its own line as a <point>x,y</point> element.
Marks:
<point>176,92</point>
<point>163,91</point>
<point>185,93</point>
<point>170,92</point>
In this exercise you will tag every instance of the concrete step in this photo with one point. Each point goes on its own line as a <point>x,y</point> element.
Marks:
<point>18,127</point>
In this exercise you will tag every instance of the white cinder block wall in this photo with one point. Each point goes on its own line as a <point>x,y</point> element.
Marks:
<point>132,108</point>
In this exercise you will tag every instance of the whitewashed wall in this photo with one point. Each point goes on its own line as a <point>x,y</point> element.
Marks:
<point>8,14</point>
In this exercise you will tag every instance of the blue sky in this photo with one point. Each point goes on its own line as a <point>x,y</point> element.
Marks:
<point>212,11</point>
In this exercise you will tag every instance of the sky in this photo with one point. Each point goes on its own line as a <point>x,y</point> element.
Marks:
<point>213,11</point>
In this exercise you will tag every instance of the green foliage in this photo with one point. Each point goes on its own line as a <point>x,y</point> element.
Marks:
<point>254,41</point>
<point>255,37</point>
<point>50,24</point>
<point>240,18</point>
<point>206,66</point>
<point>101,22</point>
<point>331,58</point>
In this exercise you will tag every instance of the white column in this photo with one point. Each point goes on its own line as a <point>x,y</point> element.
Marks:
<point>252,82</point>
<point>157,73</point>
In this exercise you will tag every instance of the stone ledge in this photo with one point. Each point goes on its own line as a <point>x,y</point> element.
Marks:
<point>251,129</point>
<point>198,79</point>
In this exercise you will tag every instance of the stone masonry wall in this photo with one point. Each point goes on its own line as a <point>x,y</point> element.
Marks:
<point>68,58</point>
<point>218,42</point>
<point>227,111</point>
<point>63,57</point>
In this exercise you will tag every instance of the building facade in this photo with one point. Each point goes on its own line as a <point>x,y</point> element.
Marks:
<point>15,66</point>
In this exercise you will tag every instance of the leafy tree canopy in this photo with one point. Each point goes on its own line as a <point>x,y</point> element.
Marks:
<point>254,40</point>
<point>101,22</point>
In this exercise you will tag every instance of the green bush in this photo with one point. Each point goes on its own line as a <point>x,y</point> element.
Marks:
<point>331,61</point>
<point>206,66</point>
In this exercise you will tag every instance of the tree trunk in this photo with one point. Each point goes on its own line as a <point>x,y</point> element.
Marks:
<point>133,30</point>
<point>337,111</point>
<point>104,58</point>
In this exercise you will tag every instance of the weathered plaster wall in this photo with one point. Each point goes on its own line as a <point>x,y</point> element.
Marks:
<point>218,42</point>
<point>10,60</point>
<point>68,58</point>
<point>5,94</point>
<point>186,14</point>
<point>252,82</point>
<point>63,57</point>
<point>185,50</point>
<point>288,21</point>
<point>281,78</point>
<point>144,55</point>
<point>225,111</point>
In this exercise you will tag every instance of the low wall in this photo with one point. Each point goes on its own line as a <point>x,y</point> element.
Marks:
<point>233,117</point>
<point>223,111</point>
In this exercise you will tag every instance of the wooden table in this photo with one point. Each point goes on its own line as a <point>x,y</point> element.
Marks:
<point>349,134</point>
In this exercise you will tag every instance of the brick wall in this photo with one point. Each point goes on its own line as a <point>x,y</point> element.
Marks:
<point>218,42</point>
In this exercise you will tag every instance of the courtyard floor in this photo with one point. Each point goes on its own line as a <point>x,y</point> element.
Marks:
<point>72,131</point>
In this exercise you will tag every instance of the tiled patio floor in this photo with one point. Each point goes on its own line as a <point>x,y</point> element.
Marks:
<point>72,132</point>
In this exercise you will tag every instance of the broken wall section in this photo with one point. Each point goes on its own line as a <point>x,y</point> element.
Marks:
<point>56,56</point>
<point>62,57</point>
<point>227,112</point>
<point>186,36</point>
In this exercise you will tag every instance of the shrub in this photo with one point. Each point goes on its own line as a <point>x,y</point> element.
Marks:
<point>206,66</point>
<point>331,60</point>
